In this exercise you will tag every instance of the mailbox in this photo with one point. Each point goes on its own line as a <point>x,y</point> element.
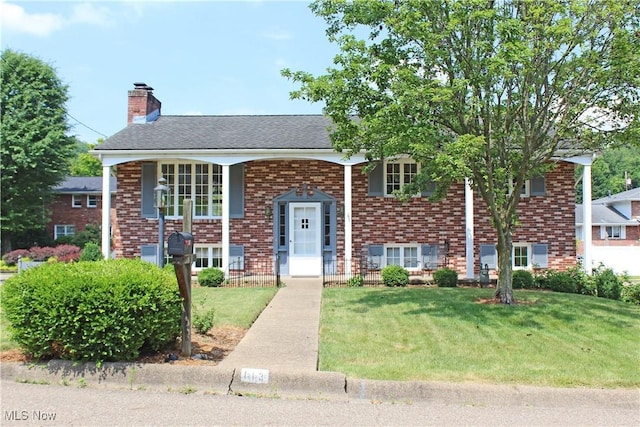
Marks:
<point>180,243</point>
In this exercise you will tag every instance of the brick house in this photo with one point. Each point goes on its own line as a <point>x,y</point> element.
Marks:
<point>615,219</point>
<point>272,187</point>
<point>77,203</point>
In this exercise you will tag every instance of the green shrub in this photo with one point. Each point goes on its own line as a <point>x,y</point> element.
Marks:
<point>446,278</point>
<point>203,322</point>
<point>211,277</point>
<point>559,281</point>
<point>91,252</point>
<point>100,311</point>
<point>355,282</point>
<point>631,293</point>
<point>522,279</point>
<point>395,275</point>
<point>607,284</point>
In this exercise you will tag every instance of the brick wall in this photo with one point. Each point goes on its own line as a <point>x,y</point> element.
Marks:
<point>376,220</point>
<point>546,219</point>
<point>62,213</point>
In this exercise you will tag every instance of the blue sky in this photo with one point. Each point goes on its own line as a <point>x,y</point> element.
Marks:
<point>205,57</point>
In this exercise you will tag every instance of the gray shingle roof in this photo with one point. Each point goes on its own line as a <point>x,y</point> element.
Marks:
<point>224,132</point>
<point>603,215</point>
<point>83,185</point>
<point>629,195</point>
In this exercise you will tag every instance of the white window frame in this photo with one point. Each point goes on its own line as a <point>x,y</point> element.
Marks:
<point>402,255</point>
<point>604,234</point>
<point>67,230</point>
<point>92,201</point>
<point>526,188</point>
<point>404,164</point>
<point>213,256</point>
<point>76,201</point>
<point>185,183</point>
<point>529,257</point>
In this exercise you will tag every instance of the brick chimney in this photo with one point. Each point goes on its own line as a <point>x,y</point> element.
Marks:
<point>143,106</point>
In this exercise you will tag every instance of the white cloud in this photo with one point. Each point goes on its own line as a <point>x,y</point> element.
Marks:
<point>90,13</point>
<point>14,18</point>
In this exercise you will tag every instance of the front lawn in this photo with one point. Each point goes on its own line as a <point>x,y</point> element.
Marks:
<point>448,334</point>
<point>238,307</point>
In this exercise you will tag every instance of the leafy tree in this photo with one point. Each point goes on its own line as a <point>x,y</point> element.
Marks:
<point>84,164</point>
<point>610,172</point>
<point>35,148</point>
<point>477,89</point>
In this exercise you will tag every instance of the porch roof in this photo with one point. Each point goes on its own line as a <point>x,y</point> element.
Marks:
<point>224,132</point>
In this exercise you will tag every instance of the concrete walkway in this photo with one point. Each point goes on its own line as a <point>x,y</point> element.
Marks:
<point>285,336</point>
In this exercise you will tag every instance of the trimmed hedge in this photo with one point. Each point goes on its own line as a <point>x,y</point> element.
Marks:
<point>395,275</point>
<point>446,278</point>
<point>93,311</point>
<point>211,277</point>
<point>522,279</point>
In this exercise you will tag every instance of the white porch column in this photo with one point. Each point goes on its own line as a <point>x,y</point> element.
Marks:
<point>348,231</point>
<point>106,211</point>
<point>586,217</point>
<point>226,190</point>
<point>469,226</point>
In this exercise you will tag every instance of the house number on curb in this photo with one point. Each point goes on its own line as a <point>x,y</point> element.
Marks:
<point>255,376</point>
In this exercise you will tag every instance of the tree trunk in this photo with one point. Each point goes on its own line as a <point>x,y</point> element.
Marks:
<point>6,243</point>
<point>504,288</point>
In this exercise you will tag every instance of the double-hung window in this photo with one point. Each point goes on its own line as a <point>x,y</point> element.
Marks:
<point>520,256</point>
<point>405,256</point>
<point>207,257</point>
<point>64,230</point>
<point>612,232</point>
<point>398,174</point>
<point>76,201</point>
<point>92,201</point>
<point>201,182</point>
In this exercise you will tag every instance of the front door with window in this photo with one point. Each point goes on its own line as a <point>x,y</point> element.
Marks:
<point>305,228</point>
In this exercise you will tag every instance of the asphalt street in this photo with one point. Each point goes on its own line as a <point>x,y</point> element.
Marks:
<point>74,405</point>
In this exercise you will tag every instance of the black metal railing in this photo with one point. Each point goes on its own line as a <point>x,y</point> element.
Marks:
<point>363,272</point>
<point>251,273</point>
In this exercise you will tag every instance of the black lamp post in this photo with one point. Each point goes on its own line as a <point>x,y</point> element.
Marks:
<point>160,201</point>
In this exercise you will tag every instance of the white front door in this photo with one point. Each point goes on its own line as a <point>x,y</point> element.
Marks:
<point>305,255</point>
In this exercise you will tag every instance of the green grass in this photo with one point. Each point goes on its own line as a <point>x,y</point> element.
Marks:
<point>238,307</point>
<point>438,334</point>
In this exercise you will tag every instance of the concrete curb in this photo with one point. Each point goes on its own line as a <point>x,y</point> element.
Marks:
<point>308,385</point>
<point>212,379</point>
<point>491,394</point>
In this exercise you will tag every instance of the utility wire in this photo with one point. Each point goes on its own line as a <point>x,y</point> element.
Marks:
<point>90,128</point>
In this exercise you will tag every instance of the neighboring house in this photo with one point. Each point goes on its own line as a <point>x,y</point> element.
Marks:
<point>615,229</point>
<point>76,204</point>
<point>272,187</point>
